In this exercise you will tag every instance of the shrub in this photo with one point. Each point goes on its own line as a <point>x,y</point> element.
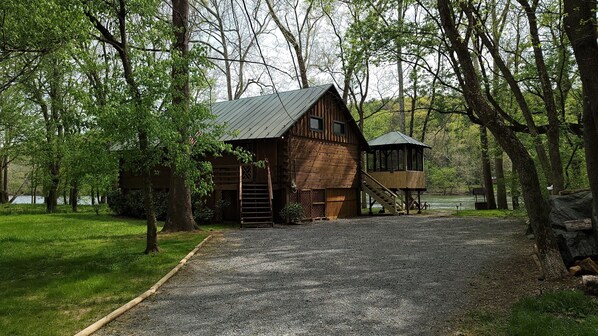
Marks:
<point>292,213</point>
<point>201,213</point>
<point>131,204</point>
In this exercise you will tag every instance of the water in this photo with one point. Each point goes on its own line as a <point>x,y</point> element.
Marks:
<point>26,199</point>
<point>465,202</point>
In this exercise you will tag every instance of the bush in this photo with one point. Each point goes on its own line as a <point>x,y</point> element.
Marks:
<point>131,204</point>
<point>201,213</point>
<point>292,213</point>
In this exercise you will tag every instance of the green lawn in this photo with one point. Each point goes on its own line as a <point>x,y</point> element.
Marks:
<point>560,313</point>
<point>62,272</point>
<point>491,213</point>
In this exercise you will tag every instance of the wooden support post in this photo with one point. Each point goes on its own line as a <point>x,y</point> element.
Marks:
<point>419,202</point>
<point>407,200</point>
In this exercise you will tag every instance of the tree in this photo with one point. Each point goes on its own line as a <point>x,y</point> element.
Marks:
<point>180,213</point>
<point>536,206</point>
<point>304,22</point>
<point>231,40</point>
<point>120,15</point>
<point>580,25</point>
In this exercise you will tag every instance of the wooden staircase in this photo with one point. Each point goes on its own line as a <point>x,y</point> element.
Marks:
<point>255,200</point>
<point>389,200</point>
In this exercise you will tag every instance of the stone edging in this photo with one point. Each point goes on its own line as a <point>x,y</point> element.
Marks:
<point>124,308</point>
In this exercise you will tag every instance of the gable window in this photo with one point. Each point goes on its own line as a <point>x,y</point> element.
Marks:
<point>338,128</point>
<point>316,124</point>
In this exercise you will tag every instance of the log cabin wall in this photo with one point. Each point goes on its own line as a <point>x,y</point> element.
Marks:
<point>323,164</point>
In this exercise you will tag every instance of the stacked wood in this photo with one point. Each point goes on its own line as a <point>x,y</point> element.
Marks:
<point>588,265</point>
<point>585,266</point>
<point>574,270</point>
<point>578,224</point>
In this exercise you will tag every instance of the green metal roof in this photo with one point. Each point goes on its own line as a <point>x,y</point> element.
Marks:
<point>395,138</point>
<point>268,116</point>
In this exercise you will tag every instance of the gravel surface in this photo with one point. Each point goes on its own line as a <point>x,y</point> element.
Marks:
<point>365,276</point>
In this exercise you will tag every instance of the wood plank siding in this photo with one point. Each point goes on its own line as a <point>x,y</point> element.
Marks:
<point>401,179</point>
<point>324,163</point>
<point>330,109</point>
<point>318,166</point>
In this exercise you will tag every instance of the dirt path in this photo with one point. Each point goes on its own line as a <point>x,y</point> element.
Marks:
<point>366,276</point>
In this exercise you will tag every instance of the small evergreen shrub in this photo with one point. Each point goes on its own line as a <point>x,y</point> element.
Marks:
<point>292,213</point>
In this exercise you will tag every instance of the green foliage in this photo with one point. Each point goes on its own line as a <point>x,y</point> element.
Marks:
<point>131,204</point>
<point>62,272</point>
<point>292,212</point>
<point>442,178</point>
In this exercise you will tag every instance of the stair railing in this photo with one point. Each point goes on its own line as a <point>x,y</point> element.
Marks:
<point>241,192</point>
<point>390,195</point>
<point>270,193</point>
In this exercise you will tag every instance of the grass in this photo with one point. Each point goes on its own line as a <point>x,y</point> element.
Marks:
<point>62,272</point>
<point>553,314</point>
<point>496,213</point>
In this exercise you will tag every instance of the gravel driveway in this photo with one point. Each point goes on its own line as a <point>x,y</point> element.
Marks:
<point>364,276</point>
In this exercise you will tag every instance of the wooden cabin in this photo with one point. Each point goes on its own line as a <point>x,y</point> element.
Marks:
<point>312,146</point>
<point>395,162</point>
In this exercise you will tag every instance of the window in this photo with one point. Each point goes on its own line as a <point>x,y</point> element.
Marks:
<point>371,160</point>
<point>316,124</point>
<point>383,160</point>
<point>402,158</point>
<point>338,128</point>
<point>394,160</point>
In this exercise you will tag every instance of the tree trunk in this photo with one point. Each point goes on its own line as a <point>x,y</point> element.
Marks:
<point>180,212</point>
<point>501,187</point>
<point>74,196</point>
<point>151,245</point>
<point>553,133</point>
<point>514,189</point>
<point>400,75</point>
<point>4,181</point>
<point>580,24</point>
<point>52,197</point>
<point>294,43</point>
<point>537,208</point>
<point>486,169</point>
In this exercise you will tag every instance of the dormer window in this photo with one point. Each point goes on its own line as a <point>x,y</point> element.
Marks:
<point>316,124</point>
<point>338,128</point>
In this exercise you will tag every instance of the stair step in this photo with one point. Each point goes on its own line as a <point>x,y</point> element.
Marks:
<point>245,219</point>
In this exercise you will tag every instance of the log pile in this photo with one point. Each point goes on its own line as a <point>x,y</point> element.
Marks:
<point>570,217</point>
<point>588,269</point>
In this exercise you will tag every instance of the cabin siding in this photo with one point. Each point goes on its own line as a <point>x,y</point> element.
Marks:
<point>322,165</point>
<point>330,109</point>
<point>319,169</point>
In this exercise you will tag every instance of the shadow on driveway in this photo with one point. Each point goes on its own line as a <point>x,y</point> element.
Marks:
<point>364,276</point>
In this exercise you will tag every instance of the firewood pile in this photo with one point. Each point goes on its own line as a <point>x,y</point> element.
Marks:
<point>588,270</point>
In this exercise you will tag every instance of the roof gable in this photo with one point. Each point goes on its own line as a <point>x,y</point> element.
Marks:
<point>268,116</point>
